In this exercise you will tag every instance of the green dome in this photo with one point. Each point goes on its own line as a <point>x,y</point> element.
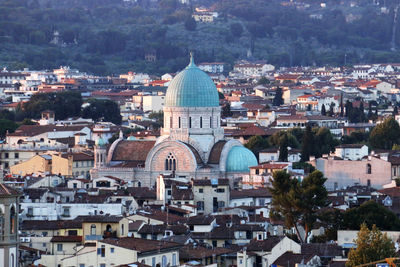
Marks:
<point>100,142</point>
<point>192,87</point>
<point>240,159</point>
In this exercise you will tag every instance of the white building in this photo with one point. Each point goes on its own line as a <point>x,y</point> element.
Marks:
<point>153,103</point>
<point>351,151</point>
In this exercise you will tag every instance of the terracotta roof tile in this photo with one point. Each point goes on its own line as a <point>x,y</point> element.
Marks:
<point>132,151</point>
<point>141,245</point>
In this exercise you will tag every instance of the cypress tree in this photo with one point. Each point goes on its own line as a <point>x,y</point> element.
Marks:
<point>323,111</point>
<point>307,146</point>
<point>283,148</point>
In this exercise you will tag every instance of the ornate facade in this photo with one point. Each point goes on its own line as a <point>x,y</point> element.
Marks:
<point>191,144</point>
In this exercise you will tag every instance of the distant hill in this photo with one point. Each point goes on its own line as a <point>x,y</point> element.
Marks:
<point>114,36</point>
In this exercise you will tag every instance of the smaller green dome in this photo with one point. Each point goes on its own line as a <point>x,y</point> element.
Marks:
<point>100,142</point>
<point>131,138</point>
<point>240,159</point>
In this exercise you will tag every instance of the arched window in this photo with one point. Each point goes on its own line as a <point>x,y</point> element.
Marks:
<point>210,122</point>
<point>170,163</point>
<point>12,220</point>
<point>201,122</point>
<point>93,229</point>
<point>190,122</point>
<point>179,122</point>
<point>369,169</point>
<point>12,260</point>
<point>164,261</point>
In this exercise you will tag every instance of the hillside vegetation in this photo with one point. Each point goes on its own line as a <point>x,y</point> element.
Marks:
<point>113,36</point>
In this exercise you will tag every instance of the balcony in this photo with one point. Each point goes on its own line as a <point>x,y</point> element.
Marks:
<point>93,237</point>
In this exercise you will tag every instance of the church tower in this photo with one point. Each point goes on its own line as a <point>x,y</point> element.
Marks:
<point>100,153</point>
<point>192,113</point>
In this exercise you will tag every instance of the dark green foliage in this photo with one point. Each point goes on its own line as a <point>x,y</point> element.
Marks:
<point>102,110</point>
<point>355,138</point>
<point>158,117</point>
<point>236,30</point>
<point>7,126</point>
<point>297,202</point>
<point>307,145</point>
<point>385,134</point>
<point>226,110</point>
<point>324,142</point>
<point>190,24</point>
<point>283,148</point>
<point>277,138</point>
<point>371,213</point>
<point>120,32</point>
<point>263,80</point>
<point>64,104</point>
<point>353,114</point>
<point>278,100</point>
<point>307,167</point>
<point>256,144</point>
<point>323,110</point>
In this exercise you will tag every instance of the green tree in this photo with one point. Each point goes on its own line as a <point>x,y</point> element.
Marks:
<point>276,138</point>
<point>297,202</point>
<point>371,245</point>
<point>236,29</point>
<point>256,144</point>
<point>102,110</point>
<point>7,126</point>
<point>331,109</point>
<point>371,213</point>
<point>263,80</point>
<point>64,104</point>
<point>323,110</point>
<point>190,24</point>
<point>278,100</point>
<point>158,117</point>
<point>307,145</point>
<point>226,111</point>
<point>283,148</point>
<point>385,134</point>
<point>324,142</point>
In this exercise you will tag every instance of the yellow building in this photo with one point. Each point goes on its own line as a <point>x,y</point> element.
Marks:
<point>39,164</point>
<point>66,164</point>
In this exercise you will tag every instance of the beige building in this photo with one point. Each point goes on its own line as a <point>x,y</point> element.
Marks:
<point>211,195</point>
<point>66,164</point>
<point>39,164</point>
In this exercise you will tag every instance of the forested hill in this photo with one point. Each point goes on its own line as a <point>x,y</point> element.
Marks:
<point>113,36</point>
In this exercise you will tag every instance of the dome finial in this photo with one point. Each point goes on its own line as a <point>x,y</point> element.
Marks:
<point>191,64</point>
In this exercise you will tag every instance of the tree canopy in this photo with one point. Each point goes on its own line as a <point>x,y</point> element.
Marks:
<point>371,245</point>
<point>371,213</point>
<point>297,202</point>
<point>256,144</point>
<point>385,134</point>
<point>105,110</point>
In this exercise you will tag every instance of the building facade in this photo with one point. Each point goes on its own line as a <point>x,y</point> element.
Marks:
<point>192,143</point>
